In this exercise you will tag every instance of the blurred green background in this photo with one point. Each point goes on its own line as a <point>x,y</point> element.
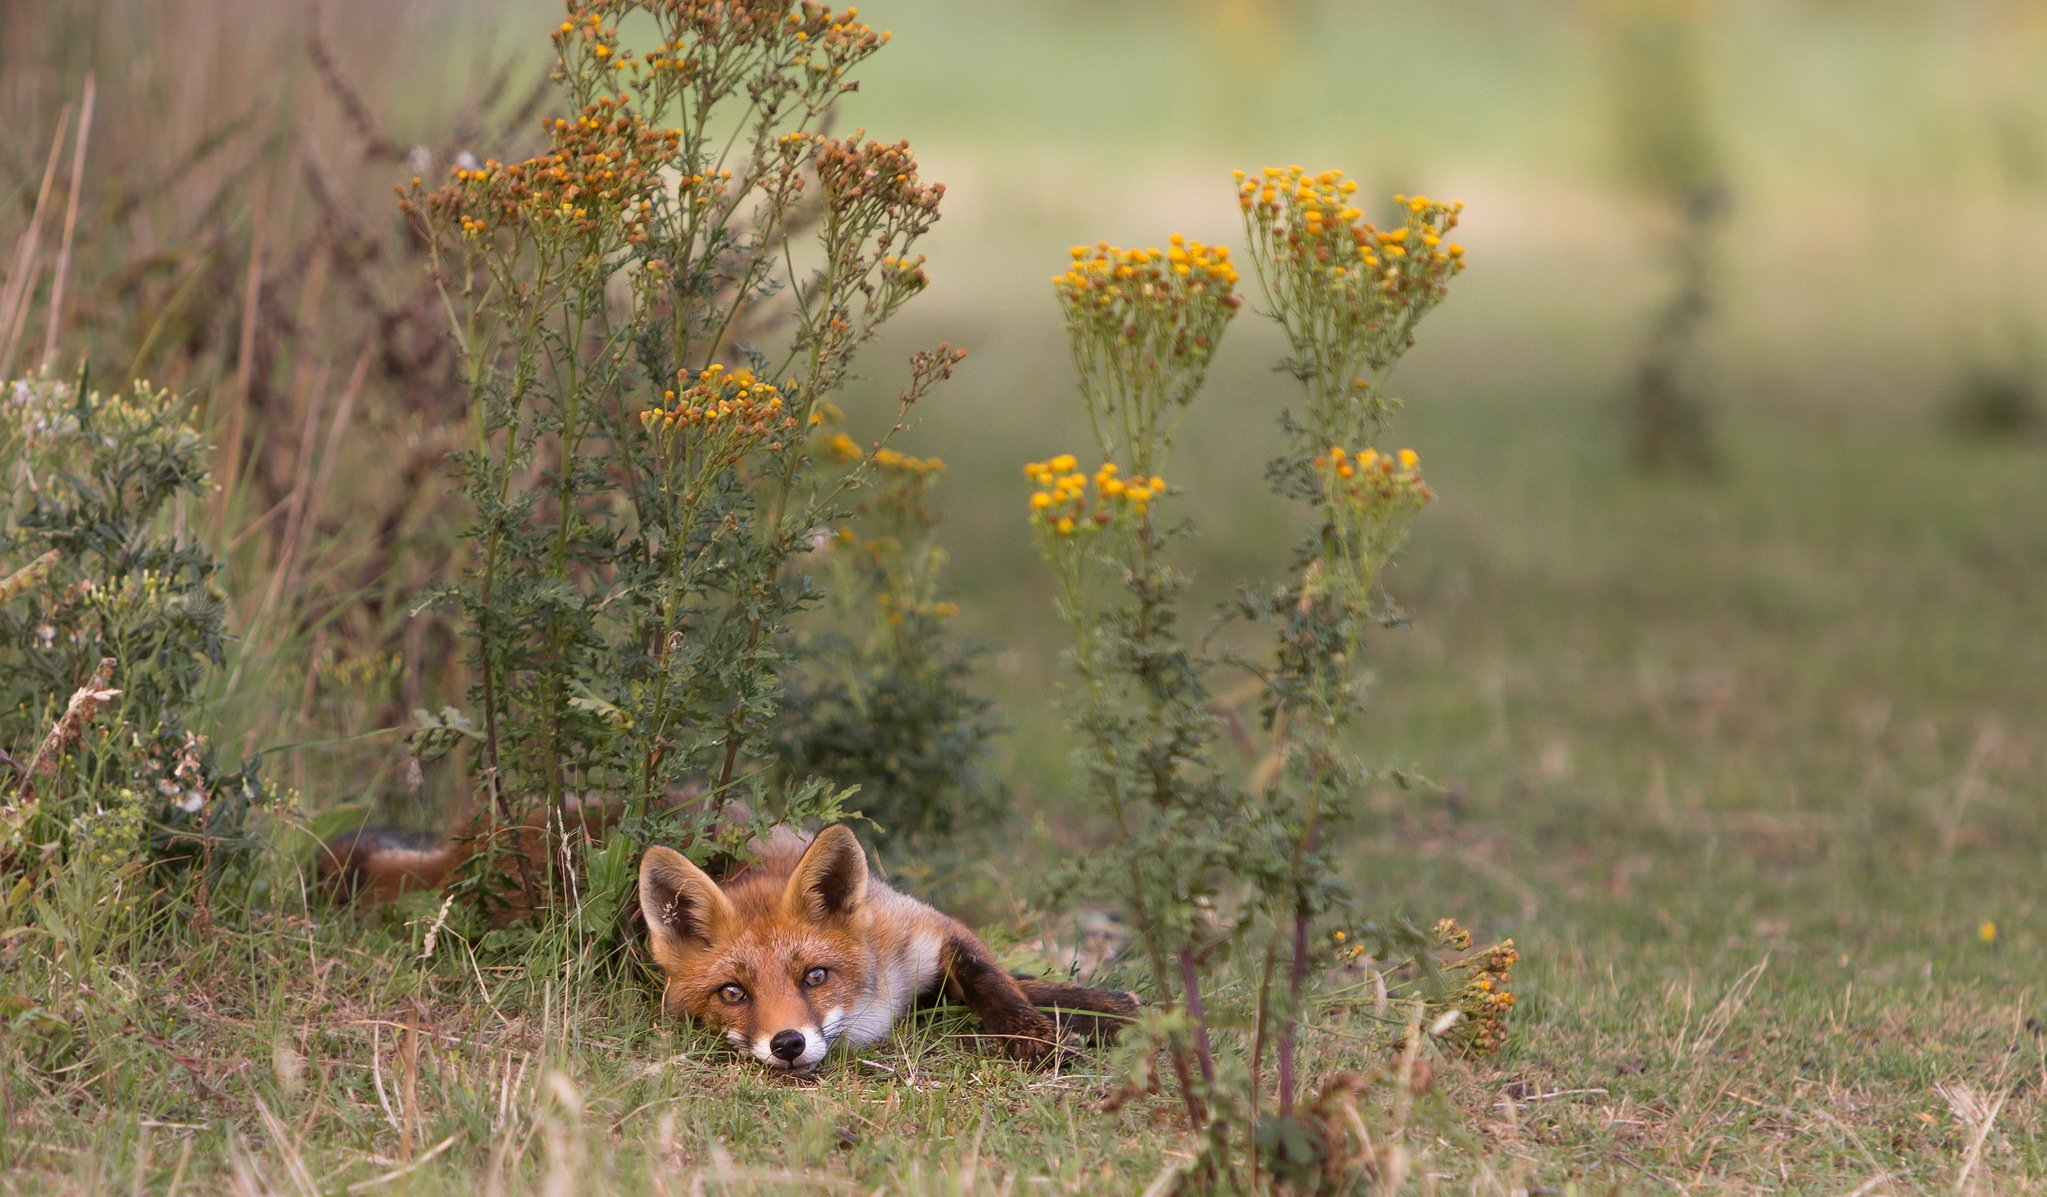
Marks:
<point>1874,277</point>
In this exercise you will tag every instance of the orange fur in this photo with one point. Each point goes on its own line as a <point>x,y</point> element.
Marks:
<point>804,949</point>
<point>377,864</point>
<point>798,951</point>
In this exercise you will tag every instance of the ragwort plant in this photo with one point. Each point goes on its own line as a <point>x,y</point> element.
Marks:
<point>654,313</point>
<point>110,623</point>
<point>1212,866</point>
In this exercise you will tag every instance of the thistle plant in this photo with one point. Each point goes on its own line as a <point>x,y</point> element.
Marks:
<point>110,627</point>
<point>1211,865</point>
<point>651,312</point>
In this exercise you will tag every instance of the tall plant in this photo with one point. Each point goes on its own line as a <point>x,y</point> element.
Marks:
<point>652,313</point>
<point>1213,866</point>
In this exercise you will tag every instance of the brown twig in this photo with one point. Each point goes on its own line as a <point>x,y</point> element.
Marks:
<point>84,705</point>
<point>354,108</point>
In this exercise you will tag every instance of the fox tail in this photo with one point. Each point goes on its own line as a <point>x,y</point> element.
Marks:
<point>377,864</point>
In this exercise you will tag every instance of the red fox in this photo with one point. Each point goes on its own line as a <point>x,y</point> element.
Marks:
<point>794,953</point>
<point>803,949</point>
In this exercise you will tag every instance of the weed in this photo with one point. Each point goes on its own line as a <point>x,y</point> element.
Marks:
<point>650,366</point>
<point>1210,868</point>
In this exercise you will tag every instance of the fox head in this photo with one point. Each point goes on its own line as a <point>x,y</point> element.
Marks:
<point>778,964</point>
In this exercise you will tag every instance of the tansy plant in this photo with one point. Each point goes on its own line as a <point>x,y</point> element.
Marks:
<point>654,312</point>
<point>1212,865</point>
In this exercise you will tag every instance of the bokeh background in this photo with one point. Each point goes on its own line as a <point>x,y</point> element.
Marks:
<point>1866,355</point>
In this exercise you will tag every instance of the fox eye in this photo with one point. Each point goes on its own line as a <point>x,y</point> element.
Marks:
<point>732,995</point>
<point>815,977</point>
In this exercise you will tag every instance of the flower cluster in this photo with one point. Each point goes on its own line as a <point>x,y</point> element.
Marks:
<point>110,836</point>
<point>871,185</point>
<point>597,178</point>
<point>1484,998</point>
<point>1068,502</point>
<point>47,415</point>
<point>146,592</point>
<point>182,780</point>
<point>1144,324</point>
<point>831,42</point>
<point>1347,292</point>
<point>895,561</point>
<point>585,33</point>
<point>1130,281</point>
<point>1371,476</point>
<point>895,609</point>
<point>708,44</point>
<point>39,410</point>
<point>890,461</point>
<point>743,408</point>
<point>836,37</point>
<point>906,272</point>
<point>1369,500</point>
<point>1310,220</point>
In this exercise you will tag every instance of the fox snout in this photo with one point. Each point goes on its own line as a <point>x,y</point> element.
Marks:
<point>792,1049</point>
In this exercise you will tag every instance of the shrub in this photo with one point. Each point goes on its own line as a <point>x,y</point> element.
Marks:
<point>1659,96</point>
<point>109,627</point>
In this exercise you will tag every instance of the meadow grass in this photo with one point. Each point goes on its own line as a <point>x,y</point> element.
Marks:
<point>1742,767</point>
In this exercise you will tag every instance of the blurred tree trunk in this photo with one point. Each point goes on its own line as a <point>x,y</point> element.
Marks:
<point>1658,92</point>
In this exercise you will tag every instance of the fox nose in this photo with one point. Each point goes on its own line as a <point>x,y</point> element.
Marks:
<point>787,1045</point>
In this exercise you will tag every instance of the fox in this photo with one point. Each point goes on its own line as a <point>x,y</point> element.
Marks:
<point>787,955</point>
<point>804,949</point>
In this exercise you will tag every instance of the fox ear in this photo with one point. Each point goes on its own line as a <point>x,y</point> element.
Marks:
<point>831,879</point>
<point>682,904</point>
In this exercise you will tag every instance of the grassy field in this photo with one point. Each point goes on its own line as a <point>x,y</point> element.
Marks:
<point>1751,766</point>
<point>1742,767</point>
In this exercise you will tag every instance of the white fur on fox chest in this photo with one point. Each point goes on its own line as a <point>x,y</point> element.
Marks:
<point>894,984</point>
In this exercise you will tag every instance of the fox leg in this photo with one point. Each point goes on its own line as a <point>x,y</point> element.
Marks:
<point>973,978</point>
<point>1094,1014</point>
